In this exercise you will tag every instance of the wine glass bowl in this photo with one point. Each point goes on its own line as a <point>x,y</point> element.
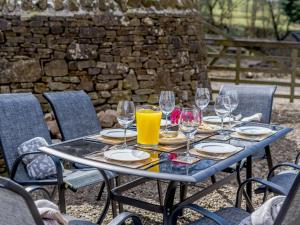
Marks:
<point>167,105</point>
<point>125,116</point>
<point>233,103</point>
<point>202,98</point>
<point>222,109</point>
<point>188,125</point>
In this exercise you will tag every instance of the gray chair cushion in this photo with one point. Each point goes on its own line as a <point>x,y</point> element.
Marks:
<point>284,180</point>
<point>80,222</point>
<point>84,177</point>
<point>232,215</point>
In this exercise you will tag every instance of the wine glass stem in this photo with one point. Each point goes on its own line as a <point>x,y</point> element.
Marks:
<point>125,141</point>
<point>222,124</point>
<point>230,115</point>
<point>188,147</point>
<point>166,127</point>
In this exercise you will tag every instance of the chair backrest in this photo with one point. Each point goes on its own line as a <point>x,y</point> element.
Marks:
<point>290,210</point>
<point>74,113</point>
<point>253,99</point>
<point>16,205</point>
<point>21,119</point>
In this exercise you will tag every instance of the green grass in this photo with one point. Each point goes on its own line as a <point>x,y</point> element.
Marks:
<point>240,23</point>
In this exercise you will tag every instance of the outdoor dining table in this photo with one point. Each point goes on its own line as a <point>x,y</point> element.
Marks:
<point>174,173</point>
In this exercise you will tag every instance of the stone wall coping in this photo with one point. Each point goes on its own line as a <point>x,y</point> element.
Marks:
<point>29,8</point>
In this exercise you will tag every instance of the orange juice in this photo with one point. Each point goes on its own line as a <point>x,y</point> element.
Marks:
<point>148,126</point>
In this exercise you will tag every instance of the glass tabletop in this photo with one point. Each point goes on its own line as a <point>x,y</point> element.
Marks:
<point>165,163</point>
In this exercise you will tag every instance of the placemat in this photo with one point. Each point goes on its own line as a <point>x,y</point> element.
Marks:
<point>214,156</point>
<point>251,138</point>
<point>171,148</point>
<point>99,156</point>
<point>111,141</point>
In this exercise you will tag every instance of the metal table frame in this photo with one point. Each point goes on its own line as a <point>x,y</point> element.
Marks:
<point>115,193</point>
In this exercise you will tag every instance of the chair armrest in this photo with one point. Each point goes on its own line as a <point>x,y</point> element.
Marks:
<point>120,219</point>
<point>59,169</point>
<point>267,183</point>
<point>285,164</point>
<point>210,215</point>
<point>32,189</point>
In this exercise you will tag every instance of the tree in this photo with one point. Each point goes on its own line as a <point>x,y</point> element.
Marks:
<point>292,10</point>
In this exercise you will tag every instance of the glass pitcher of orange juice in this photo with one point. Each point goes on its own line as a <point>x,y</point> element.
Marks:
<point>148,125</point>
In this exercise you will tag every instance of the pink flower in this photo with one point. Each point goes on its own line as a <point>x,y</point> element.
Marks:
<point>175,115</point>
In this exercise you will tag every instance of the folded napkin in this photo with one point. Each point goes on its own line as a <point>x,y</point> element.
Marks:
<point>50,213</point>
<point>255,117</point>
<point>265,214</point>
<point>179,139</point>
<point>251,137</point>
<point>110,141</point>
<point>217,156</point>
<point>208,128</point>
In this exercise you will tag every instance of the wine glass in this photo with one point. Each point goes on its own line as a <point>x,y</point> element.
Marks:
<point>167,104</point>
<point>221,108</point>
<point>188,124</point>
<point>125,116</point>
<point>234,102</point>
<point>202,99</point>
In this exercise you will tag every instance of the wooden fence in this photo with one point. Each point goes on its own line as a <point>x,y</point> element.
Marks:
<point>232,55</point>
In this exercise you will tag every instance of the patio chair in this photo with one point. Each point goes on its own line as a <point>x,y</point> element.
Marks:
<point>75,114</point>
<point>76,117</point>
<point>17,208</point>
<point>288,215</point>
<point>255,99</point>
<point>284,179</point>
<point>21,119</point>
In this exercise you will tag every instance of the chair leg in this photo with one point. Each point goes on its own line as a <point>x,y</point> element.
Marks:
<point>61,197</point>
<point>53,193</point>
<point>118,183</point>
<point>113,203</point>
<point>213,179</point>
<point>101,191</point>
<point>160,195</point>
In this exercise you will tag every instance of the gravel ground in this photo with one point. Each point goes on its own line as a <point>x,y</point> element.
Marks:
<point>83,204</point>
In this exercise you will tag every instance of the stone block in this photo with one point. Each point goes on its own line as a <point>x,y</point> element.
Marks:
<point>20,71</point>
<point>86,83</point>
<point>56,68</point>
<point>86,64</point>
<point>58,86</point>
<point>140,98</point>
<point>106,86</point>
<point>77,51</point>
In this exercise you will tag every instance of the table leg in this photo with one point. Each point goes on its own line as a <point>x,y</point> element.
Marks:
<point>248,176</point>
<point>269,157</point>
<point>108,198</point>
<point>183,191</point>
<point>169,202</point>
<point>159,190</point>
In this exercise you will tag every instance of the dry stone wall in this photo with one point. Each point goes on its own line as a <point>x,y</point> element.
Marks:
<point>111,57</point>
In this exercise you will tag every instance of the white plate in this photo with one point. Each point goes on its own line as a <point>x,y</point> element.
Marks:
<point>218,148</point>
<point>126,155</point>
<point>118,133</point>
<point>163,123</point>
<point>216,119</point>
<point>253,130</point>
